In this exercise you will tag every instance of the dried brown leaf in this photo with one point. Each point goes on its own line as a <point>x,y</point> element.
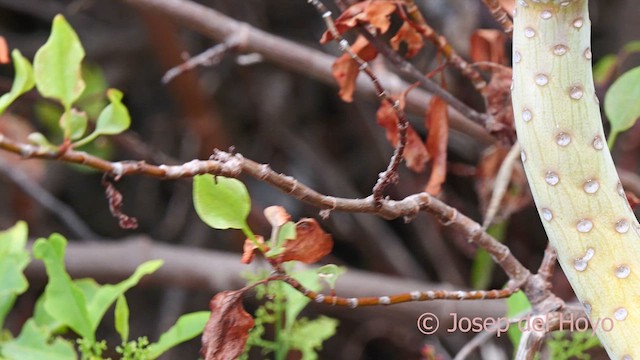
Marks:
<point>497,97</point>
<point>249,249</point>
<point>310,245</point>
<point>415,152</point>
<point>4,51</point>
<point>375,13</point>
<point>227,330</point>
<point>345,70</point>
<point>437,121</point>
<point>277,216</point>
<point>410,36</point>
<point>488,45</point>
<point>508,5</point>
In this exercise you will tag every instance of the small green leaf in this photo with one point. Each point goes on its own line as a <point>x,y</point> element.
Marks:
<point>122,318</point>
<point>286,232</point>
<point>631,47</point>
<point>516,305</point>
<point>330,274</point>
<point>107,294</point>
<point>57,64</point>
<point>14,258</point>
<point>307,336</point>
<point>64,300</point>
<point>604,68</point>
<point>39,139</point>
<point>113,119</point>
<point>622,103</point>
<point>74,123</point>
<point>295,300</point>
<point>222,203</point>
<point>46,321</point>
<point>22,82</point>
<point>186,328</point>
<point>33,344</point>
<point>93,99</point>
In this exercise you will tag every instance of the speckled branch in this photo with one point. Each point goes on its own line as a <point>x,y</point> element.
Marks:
<point>570,170</point>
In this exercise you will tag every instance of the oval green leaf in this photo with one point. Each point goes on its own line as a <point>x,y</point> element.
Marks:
<point>74,123</point>
<point>222,203</point>
<point>22,83</point>
<point>622,102</point>
<point>57,64</point>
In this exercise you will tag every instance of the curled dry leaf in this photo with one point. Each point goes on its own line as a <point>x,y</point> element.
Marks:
<point>488,45</point>
<point>116,202</point>
<point>249,249</point>
<point>516,197</point>
<point>407,34</point>
<point>4,51</point>
<point>375,13</point>
<point>227,330</point>
<point>497,97</point>
<point>415,152</point>
<point>345,70</point>
<point>437,121</point>
<point>310,245</point>
<point>277,216</point>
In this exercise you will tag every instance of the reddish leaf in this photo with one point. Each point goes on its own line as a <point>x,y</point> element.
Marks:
<point>517,196</point>
<point>415,152</point>
<point>310,245</point>
<point>410,36</point>
<point>437,121</point>
<point>249,249</point>
<point>375,13</point>
<point>4,51</point>
<point>488,45</point>
<point>277,216</point>
<point>345,70</point>
<point>226,332</point>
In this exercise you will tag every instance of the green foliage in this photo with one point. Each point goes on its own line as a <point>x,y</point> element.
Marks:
<point>517,305</point>
<point>33,343</point>
<point>78,305</point>
<point>281,311</point>
<point>13,260</point>
<point>330,274</point>
<point>280,236</point>
<point>621,103</point>
<point>113,119</point>
<point>58,64</point>
<point>222,203</point>
<point>22,83</point>
<point>571,345</point>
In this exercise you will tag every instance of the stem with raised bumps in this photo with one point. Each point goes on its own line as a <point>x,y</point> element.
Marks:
<point>570,170</point>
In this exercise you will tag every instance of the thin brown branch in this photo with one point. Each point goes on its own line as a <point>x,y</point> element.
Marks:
<point>301,59</point>
<point>233,165</point>
<point>417,21</point>
<point>500,15</point>
<point>389,176</point>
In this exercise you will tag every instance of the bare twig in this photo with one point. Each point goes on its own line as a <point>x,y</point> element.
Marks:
<point>500,15</point>
<point>296,57</point>
<point>208,57</point>
<point>389,176</point>
<point>232,165</point>
<point>417,21</point>
<point>503,178</point>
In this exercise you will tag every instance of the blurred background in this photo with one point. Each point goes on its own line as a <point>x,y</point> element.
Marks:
<point>294,121</point>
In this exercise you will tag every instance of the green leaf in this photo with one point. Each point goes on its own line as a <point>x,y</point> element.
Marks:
<point>604,68</point>
<point>222,203</point>
<point>330,274</point>
<point>295,300</point>
<point>22,82</point>
<point>622,103</point>
<point>106,295</point>
<point>122,318</point>
<point>186,328</point>
<point>14,258</point>
<point>64,300</point>
<point>39,139</point>
<point>631,47</point>
<point>46,321</point>
<point>74,123</point>
<point>57,64</point>
<point>33,344</point>
<point>517,304</point>
<point>113,119</point>
<point>308,335</point>
<point>93,99</point>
